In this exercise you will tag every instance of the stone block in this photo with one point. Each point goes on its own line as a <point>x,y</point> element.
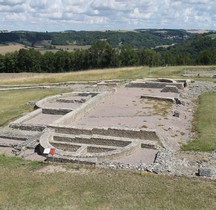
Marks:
<point>205,172</point>
<point>176,113</point>
<point>170,89</point>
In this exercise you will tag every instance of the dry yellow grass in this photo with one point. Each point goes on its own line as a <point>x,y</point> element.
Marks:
<point>100,74</point>
<point>10,48</point>
<point>90,75</point>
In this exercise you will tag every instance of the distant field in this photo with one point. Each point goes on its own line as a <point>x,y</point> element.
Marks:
<point>198,31</point>
<point>56,48</point>
<point>71,47</point>
<point>10,48</point>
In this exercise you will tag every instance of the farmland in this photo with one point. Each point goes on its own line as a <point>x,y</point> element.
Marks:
<point>10,48</point>
<point>40,46</point>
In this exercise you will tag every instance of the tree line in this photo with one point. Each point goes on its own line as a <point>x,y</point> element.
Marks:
<point>103,55</point>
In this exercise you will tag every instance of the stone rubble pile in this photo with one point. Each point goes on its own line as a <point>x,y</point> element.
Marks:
<point>167,162</point>
<point>197,88</point>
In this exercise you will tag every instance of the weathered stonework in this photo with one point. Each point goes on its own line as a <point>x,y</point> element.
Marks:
<point>70,123</point>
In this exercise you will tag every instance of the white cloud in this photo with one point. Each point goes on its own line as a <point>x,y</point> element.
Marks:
<point>106,14</point>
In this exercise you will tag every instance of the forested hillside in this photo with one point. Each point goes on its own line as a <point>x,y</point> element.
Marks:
<point>137,39</point>
<point>194,51</point>
<point>197,50</point>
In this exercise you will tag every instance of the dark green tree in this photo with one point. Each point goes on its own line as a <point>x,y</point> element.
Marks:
<point>101,55</point>
<point>205,57</point>
<point>149,57</point>
<point>2,65</point>
<point>47,62</point>
<point>62,61</point>
<point>10,63</point>
<point>29,60</point>
<point>128,56</point>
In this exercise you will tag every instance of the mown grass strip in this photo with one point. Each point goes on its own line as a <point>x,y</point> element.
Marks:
<point>13,102</point>
<point>204,124</point>
<point>24,188</point>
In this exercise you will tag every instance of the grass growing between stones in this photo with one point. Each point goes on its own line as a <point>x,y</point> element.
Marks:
<point>13,102</point>
<point>204,124</point>
<point>22,187</point>
<point>158,107</point>
<point>99,74</point>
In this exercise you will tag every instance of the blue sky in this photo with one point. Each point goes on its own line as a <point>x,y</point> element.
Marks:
<point>60,15</point>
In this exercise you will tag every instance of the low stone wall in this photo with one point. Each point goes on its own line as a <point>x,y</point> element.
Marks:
<point>116,132</point>
<point>167,80</point>
<point>92,140</point>
<point>77,101</point>
<point>56,111</point>
<point>66,147</point>
<point>170,89</point>
<point>119,153</point>
<point>149,145</point>
<point>26,117</point>
<point>186,82</point>
<point>82,110</point>
<point>98,149</point>
<point>61,159</point>
<point>158,85</point>
<point>11,137</point>
<point>62,98</point>
<point>40,104</point>
<point>171,99</point>
<point>26,127</point>
<point>20,123</point>
<point>46,142</point>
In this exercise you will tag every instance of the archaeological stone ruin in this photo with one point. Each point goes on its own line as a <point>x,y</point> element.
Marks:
<point>121,124</point>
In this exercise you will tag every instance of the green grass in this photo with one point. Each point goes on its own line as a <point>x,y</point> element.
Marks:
<point>22,187</point>
<point>204,124</point>
<point>103,74</point>
<point>13,102</point>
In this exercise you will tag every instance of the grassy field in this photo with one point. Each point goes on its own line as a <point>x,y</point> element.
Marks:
<point>23,187</point>
<point>10,48</point>
<point>13,102</point>
<point>40,46</point>
<point>100,74</point>
<point>204,124</point>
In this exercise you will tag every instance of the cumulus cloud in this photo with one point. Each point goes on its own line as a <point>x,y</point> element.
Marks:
<point>106,14</point>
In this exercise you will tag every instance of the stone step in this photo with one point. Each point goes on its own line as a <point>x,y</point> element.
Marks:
<point>93,139</point>
<point>115,132</point>
<point>104,140</point>
<point>74,147</point>
<point>7,142</point>
<point>55,111</point>
<point>28,127</point>
<point>105,150</point>
<point>11,137</point>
